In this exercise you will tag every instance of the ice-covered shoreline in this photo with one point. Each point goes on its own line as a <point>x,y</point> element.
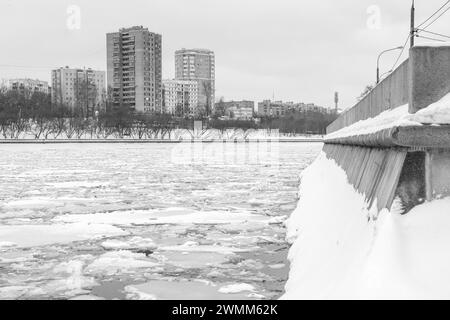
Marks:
<point>174,135</point>
<point>341,249</point>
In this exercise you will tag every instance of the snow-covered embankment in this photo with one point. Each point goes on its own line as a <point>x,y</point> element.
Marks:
<point>342,249</point>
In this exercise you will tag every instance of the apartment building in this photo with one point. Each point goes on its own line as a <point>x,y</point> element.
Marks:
<point>240,110</point>
<point>280,108</point>
<point>80,89</point>
<point>198,65</point>
<point>240,113</point>
<point>26,87</point>
<point>180,97</point>
<point>134,69</point>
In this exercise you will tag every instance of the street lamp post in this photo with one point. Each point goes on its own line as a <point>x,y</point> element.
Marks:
<point>378,60</point>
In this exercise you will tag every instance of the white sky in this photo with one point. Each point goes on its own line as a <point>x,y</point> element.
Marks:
<point>299,50</point>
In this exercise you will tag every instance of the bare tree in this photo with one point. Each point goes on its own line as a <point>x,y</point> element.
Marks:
<point>207,89</point>
<point>86,97</point>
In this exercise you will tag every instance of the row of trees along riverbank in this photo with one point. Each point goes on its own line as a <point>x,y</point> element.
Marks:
<point>36,117</point>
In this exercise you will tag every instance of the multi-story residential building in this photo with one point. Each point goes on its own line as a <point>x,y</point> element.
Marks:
<point>272,108</point>
<point>198,65</point>
<point>80,89</point>
<point>180,97</point>
<point>26,87</point>
<point>279,108</point>
<point>134,69</point>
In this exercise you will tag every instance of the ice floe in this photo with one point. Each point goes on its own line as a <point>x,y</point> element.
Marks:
<point>121,261</point>
<point>184,290</point>
<point>135,243</point>
<point>236,288</point>
<point>39,235</point>
<point>152,217</point>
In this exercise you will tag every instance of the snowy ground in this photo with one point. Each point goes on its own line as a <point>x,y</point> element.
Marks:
<point>106,221</point>
<point>341,249</point>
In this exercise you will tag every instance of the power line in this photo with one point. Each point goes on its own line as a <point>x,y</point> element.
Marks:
<point>428,19</point>
<point>401,53</point>
<point>434,33</point>
<point>437,18</point>
<point>430,38</point>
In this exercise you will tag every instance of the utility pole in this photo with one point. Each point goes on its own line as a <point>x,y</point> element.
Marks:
<point>336,101</point>
<point>413,28</point>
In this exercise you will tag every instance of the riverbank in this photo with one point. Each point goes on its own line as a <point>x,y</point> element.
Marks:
<point>43,141</point>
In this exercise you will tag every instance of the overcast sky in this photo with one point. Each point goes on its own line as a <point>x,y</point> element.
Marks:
<point>294,50</point>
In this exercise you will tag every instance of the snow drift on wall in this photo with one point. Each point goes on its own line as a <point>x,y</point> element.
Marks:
<point>342,250</point>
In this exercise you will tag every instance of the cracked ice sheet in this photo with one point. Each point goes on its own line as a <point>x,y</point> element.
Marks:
<point>122,262</point>
<point>182,290</point>
<point>194,255</point>
<point>166,216</point>
<point>61,280</point>
<point>39,235</point>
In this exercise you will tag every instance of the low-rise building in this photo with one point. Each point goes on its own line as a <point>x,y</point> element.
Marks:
<point>180,97</point>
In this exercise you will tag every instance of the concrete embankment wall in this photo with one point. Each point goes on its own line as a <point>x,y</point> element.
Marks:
<point>419,81</point>
<point>430,75</point>
<point>373,172</point>
<point>390,93</point>
<point>411,162</point>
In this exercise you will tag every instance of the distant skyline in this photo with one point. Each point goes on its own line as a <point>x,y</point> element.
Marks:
<point>295,50</point>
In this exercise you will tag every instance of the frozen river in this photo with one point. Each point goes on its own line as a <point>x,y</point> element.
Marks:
<point>144,221</point>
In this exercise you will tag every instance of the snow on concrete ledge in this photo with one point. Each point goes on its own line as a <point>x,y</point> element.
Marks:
<point>437,113</point>
<point>390,118</point>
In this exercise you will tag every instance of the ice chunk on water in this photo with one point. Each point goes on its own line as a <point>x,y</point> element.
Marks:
<point>13,292</point>
<point>122,261</point>
<point>7,244</point>
<point>39,235</point>
<point>87,297</point>
<point>156,217</point>
<point>236,288</point>
<point>203,248</point>
<point>135,243</point>
<point>181,290</point>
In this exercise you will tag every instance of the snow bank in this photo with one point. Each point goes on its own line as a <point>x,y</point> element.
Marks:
<point>435,113</point>
<point>337,252</point>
